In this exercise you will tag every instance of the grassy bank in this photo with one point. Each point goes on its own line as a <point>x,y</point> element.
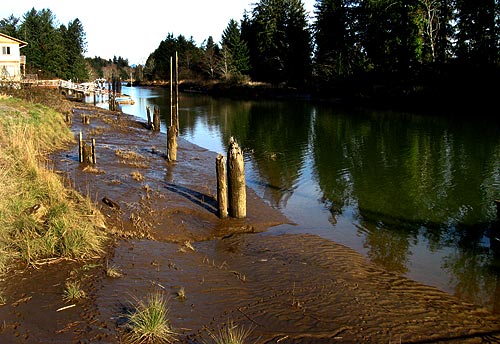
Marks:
<point>40,218</point>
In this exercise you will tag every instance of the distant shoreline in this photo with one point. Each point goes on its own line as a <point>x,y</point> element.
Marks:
<point>435,100</point>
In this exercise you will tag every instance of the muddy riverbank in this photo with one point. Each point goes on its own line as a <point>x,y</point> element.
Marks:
<point>167,237</point>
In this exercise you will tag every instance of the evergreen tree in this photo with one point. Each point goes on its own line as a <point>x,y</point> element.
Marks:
<point>9,26</point>
<point>211,57</point>
<point>280,41</point>
<point>55,52</point>
<point>391,35</point>
<point>237,49</point>
<point>75,46</point>
<point>476,32</point>
<point>190,58</point>
<point>338,47</point>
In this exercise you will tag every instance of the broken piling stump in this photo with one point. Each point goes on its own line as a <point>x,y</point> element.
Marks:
<point>172,143</point>
<point>236,181</point>
<point>148,113</point>
<point>220,163</point>
<point>156,119</point>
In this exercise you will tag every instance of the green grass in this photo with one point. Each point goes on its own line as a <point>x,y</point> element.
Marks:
<point>39,217</point>
<point>73,292</point>
<point>149,322</point>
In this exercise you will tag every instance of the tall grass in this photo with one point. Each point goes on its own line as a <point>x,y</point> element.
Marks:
<point>39,217</point>
<point>231,334</point>
<point>149,322</point>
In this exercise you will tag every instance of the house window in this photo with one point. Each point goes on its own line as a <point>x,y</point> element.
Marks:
<point>6,50</point>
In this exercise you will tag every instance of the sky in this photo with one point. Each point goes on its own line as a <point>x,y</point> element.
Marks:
<point>134,29</point>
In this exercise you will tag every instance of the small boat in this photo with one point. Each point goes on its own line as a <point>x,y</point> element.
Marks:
<point>125,99</point>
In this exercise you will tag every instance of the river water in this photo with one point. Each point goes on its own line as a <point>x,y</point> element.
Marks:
<point>412,192</point>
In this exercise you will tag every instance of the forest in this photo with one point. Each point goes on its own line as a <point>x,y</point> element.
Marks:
<point>372,48</point>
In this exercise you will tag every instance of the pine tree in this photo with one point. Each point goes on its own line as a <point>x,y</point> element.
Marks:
<point>337,45</point>
<point>236,48</point>
<point>211,57</point>
<point>9,26</point>
<point>280,41</point>
<point>75,46</point>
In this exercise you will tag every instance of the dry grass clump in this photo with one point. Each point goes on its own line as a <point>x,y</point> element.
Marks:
<point>113,271</point>
<point>131,158</point>
<point>73,292</point>
<point>230,334</point>
<point>181,294</point>
<point>137,176</point>
<point>39,217</point>
<point>149,322</point>
<point>95,131</point>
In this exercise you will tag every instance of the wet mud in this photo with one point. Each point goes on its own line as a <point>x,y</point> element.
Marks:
<point>167,237</point>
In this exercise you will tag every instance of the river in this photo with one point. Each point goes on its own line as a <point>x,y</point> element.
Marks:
<point>412,192</point>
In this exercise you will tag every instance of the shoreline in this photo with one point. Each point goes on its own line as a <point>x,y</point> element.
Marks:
<point>287,288</point>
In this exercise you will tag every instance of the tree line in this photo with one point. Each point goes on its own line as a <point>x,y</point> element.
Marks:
<point>56,50</point>
<point>405,46</point>
<point>364,46</point>
<point>53,50</point>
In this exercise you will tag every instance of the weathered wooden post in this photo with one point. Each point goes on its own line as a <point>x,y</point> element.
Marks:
<point>156,118</point>
<point>171,94</point>
<point>68,119</point>
<point>172,143</point>
<point>94,160</point>
<point>236,181</point>
<point>220,167</point>
<point>80,148</point>
<point>87,153</point>
<point>176,123</point>
<point>148,112</point>
<point>85,119</point>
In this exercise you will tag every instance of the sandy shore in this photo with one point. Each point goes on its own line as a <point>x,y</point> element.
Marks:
<point>287,289</point>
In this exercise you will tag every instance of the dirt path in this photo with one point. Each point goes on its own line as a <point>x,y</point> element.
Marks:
<point>287,289</point>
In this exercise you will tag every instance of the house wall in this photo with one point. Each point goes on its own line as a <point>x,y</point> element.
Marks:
<point>9,63</point>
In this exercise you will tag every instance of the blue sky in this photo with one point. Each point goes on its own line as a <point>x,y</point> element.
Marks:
<point>134,29</point>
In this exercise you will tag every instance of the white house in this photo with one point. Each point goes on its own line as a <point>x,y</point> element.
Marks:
<point>12,64</point>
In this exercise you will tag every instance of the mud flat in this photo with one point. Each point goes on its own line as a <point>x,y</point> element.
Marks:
<point>167,237</point>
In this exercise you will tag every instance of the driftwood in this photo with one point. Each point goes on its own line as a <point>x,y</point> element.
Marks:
<point>110,203</point>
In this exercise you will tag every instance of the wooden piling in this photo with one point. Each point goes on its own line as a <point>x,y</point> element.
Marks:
<point>172,143</point>
<point>236,181</point>
<point>220,166</point>
<point>176,123</point>
<point>68,119</point>
<point>87,153</point>
<point>171,94</point>
<point>80,148</point>
<point>94,160</point>
<point>148,112</point>
<point>85,119</point>
<point>156,118</point>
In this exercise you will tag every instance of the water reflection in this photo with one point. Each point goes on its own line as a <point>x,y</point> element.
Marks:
<point>414,193</point>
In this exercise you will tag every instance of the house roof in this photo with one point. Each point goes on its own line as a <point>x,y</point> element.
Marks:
<point>7,39</point>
